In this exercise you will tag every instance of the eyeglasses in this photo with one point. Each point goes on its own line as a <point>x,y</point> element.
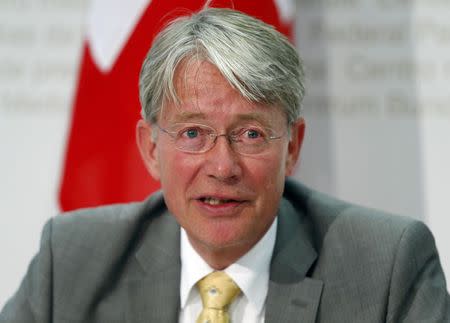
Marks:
<point>197,138</point>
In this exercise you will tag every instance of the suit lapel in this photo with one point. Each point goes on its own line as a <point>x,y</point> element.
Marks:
<point>153,293</point>
<point>153,290</point>
<point>297,302</point>
<point>292,296</point>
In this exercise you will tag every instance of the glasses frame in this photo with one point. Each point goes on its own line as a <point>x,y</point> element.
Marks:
<point>214,135</point>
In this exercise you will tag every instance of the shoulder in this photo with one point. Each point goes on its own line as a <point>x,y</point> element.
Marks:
<point>100,230</point>
<point>108,217</point>
<point>357,239</point>
<point>378,262</point>
<point>332,217</point>
<point>372,259</point>
<point>347,235</point>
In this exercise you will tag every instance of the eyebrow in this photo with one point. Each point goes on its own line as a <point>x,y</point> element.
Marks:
<point>189,116</point>
<point>254,117</point>
<point>195,116</point>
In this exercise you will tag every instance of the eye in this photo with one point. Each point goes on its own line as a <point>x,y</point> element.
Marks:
<point>253,134</point>
<point>249,135</point>
<point>190,133</point>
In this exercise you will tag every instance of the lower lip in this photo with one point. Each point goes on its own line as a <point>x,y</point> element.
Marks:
<point>224,209</point>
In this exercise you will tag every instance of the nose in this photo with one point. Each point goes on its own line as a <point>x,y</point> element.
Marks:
<point>222,162</point>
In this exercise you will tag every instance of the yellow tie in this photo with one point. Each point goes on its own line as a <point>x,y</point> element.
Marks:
<point>217,290</point>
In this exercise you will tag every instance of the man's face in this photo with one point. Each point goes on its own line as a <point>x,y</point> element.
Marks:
<point>224,200</point>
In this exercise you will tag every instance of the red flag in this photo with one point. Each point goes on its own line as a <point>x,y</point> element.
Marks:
<point>102,164</point>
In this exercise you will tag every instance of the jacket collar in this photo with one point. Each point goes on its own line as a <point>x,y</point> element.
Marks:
<point>154,293</point>
<point>153,296</point>
<point>292,294</point>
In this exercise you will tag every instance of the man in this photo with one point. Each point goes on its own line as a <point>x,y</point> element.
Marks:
<point>222,130</point>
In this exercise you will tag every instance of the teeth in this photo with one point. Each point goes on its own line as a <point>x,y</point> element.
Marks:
<point>214,201</point>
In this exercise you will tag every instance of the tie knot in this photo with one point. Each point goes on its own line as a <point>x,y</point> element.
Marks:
<point>217,290</point>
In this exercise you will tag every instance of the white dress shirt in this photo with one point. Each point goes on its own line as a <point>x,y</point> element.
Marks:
<point>250,273</point>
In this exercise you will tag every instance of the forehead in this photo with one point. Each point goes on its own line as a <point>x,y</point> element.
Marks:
<point>204,93</point>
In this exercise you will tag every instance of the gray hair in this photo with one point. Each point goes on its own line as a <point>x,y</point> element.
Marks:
<point>256,60</point>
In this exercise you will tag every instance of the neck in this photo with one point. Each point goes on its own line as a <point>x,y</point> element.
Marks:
<point>218,262</point>
<point>222,257</point>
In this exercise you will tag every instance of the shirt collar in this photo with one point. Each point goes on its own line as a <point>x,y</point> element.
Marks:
<point>250,272</point>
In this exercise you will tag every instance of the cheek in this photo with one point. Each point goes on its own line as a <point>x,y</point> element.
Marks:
<point>267,174</point>
<point>177,170</point>
<point>276,173</point>
<point>174,182</point>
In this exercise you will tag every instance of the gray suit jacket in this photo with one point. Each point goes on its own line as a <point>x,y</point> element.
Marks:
<point>333,262</point>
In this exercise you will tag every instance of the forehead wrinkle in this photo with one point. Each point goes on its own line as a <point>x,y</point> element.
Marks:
<point>194,79</point>
<point>189,84</point>
<point>186,89</point>
<point>184,116</point>
<point>253,116</point>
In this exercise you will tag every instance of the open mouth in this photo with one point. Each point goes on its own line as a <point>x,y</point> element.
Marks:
<point>215,201</point>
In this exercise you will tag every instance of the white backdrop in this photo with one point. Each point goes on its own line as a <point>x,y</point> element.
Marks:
<point>378,105</point>
<point>40,43</point>
<point>377,110</point>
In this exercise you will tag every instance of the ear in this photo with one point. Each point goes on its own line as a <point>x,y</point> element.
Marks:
<point>148,148</point>
<point>295,145</point>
